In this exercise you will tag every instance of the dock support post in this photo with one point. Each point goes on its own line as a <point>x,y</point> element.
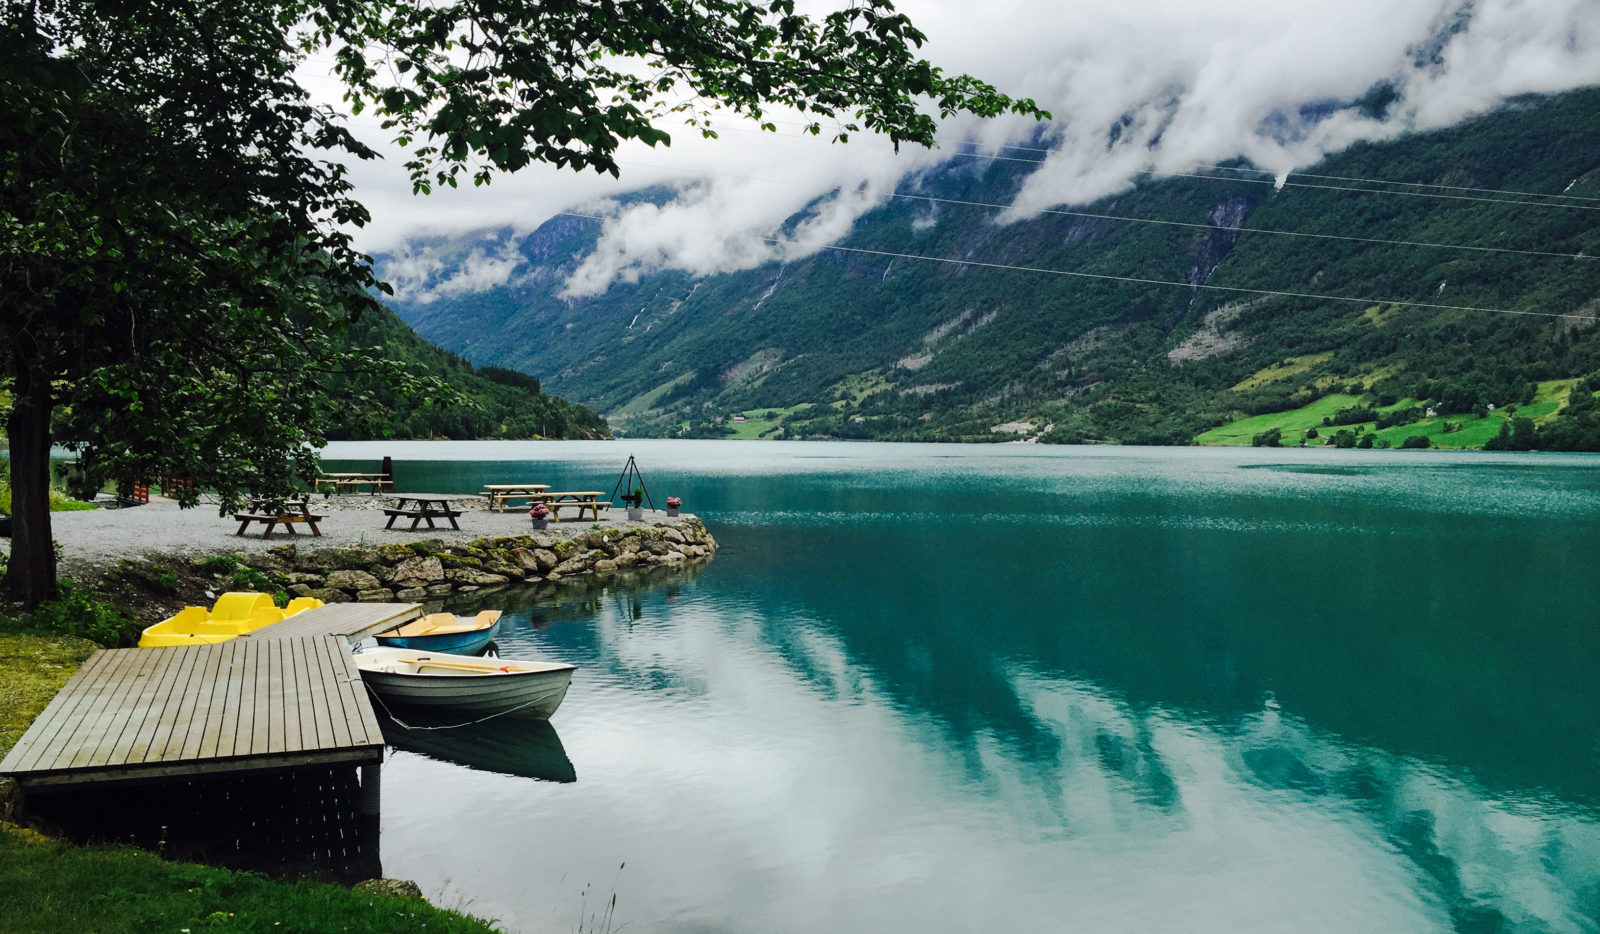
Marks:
<point>371,787</point>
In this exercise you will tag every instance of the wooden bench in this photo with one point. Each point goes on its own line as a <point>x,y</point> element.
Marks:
<point>498,494</point>
<point>340,482</point>
<point>499,500</point>
<point>273,519</point>
<point>594,507</point>
<point>429,506</point>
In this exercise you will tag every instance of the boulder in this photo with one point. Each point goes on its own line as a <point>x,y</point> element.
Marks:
<point>394,554</point>
<point>310,580</point>
<point>463,577</point>
<point>439,590</point>
<point>428,569</point>
<point>605,566</point>
<point>525,559</point>
<point>574,565</point>
<point>351,580</point>
<point>377,595</point>
<point>331,595</point>
<point>546,559</point>
<point>354,559</point>
<point>544,539</point>
<point>411,594</point>
<point>300,590</point>
<point>390,888</point>
<point>674,536</point>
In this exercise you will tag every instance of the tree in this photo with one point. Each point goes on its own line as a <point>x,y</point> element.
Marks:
<point>1271,438</point>
<point>178,269</point>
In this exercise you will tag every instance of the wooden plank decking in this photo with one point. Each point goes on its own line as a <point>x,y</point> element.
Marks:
<point>241,705</point>
<point>353,621</point>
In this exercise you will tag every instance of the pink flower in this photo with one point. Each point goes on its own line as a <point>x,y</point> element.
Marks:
<point>673,502</point>
<point>539,511</point>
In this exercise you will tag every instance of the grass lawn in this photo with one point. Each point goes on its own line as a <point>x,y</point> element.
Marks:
<point>33,668</point>
<point>49,886</point>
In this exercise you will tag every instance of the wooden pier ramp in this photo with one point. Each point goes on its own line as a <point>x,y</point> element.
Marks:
<point>288,696</point>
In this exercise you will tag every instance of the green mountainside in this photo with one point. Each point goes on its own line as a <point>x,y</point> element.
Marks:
<point>497,403</point>
<point>865,345</point>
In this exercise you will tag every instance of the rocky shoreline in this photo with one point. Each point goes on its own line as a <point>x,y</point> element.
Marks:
<point>435,568</point>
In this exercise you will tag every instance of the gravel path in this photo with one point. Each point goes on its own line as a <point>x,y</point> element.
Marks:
<point>94,540</point>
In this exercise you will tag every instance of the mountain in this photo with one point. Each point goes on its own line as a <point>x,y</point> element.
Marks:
<point>498,403</point>
<point>938,322</point>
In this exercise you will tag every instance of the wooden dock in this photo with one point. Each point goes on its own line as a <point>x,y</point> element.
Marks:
<point>287,696</point>
<point>170,713</point>
<point>351,621</point>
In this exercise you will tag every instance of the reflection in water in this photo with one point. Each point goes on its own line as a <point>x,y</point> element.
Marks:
<point>748,770</point>
<point>508,745</point>
<point>1087,690</point>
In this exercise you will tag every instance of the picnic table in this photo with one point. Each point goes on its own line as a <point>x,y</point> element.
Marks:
<point>424,506</point>
<point>583,499</point>
<point>275,512</point>
<point>339,482</point>
<point>498,493</point>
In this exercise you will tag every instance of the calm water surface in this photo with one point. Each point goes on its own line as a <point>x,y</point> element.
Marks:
<point>939,688</point>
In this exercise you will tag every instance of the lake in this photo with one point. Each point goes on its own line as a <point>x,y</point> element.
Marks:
<point>949,688</point>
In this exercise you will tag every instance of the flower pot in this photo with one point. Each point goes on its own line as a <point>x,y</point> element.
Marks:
<point>635,514</point>
<point>543,523</point>
<point>672,511</point>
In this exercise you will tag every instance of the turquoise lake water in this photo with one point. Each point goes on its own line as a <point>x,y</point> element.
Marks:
<point>949,688</point>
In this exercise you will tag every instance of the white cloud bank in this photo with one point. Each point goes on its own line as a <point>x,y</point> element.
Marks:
<point>1185,83</point>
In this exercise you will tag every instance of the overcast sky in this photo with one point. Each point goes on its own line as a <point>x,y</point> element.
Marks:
<point>1191,82</point>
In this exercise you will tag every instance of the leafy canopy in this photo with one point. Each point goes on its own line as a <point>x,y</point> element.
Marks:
<point>567,81</point>
<point>177,274</point>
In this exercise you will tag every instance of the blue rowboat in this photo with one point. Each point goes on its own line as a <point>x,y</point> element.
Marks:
<point>444,632</point>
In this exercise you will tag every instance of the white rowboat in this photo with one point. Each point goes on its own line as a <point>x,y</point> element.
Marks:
<point>465,684</point>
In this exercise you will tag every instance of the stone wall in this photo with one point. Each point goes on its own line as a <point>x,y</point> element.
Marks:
<point>435,568</point>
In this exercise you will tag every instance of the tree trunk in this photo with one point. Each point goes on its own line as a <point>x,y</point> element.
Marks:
<point>31,571</point>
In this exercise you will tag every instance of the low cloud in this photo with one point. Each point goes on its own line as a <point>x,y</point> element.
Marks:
<point>1134,85</point>
<point>421,273</point>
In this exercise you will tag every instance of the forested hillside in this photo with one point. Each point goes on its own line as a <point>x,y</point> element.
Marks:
<point>496,402</point>
<point>997,332</point>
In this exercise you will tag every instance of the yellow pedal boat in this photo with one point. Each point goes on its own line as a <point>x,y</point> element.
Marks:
<point>234,614</point>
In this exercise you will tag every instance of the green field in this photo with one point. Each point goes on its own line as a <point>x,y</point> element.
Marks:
<point>1292,423</point>
<point>1473,433</point>
<point>763,423</point>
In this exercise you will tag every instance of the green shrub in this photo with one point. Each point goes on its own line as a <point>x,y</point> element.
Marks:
<point>252,579</point>
<point>1271,438</point>
<point>163,578</point>
<point>1417,441</point>
<point>219,565</point>
<point>76,612</point>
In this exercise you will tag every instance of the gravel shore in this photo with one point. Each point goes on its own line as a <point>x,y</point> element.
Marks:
<point>94,540</point>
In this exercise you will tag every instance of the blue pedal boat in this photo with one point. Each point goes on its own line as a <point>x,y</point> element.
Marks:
<point>445,632</point>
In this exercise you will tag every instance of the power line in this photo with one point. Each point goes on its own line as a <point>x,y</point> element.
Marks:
<point>1157,221</point>
<point>1381,181</point>
<point>976,144</point>
<point>1483,191</point>
<point>1288,184</point>
<point>1139,280</point>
